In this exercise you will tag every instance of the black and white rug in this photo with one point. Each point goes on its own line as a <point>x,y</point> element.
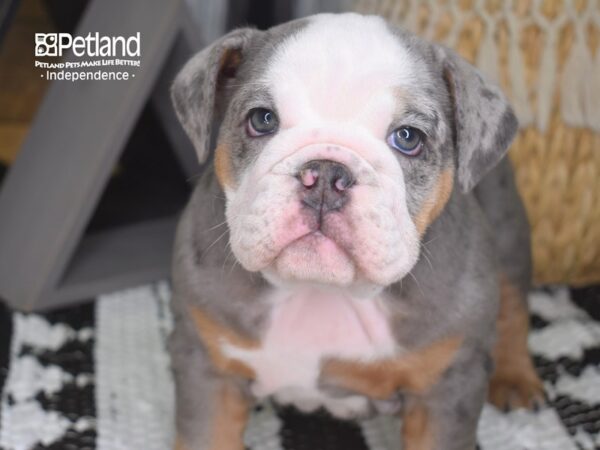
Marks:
<point>97,377</point>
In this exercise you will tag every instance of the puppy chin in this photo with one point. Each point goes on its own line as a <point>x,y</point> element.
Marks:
<point>315,258</point>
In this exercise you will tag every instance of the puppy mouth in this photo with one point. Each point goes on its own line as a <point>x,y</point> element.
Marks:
<point>317,241</point>
<point>316,256</point>
<point>325,233</point>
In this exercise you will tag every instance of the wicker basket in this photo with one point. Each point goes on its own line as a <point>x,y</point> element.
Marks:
<point>545,54</point>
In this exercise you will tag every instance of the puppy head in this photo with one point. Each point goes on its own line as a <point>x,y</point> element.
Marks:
<point>340,141</point>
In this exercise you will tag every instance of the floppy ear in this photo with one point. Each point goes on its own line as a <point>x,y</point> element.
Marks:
<point>198,86</point>
<point>484,122</point>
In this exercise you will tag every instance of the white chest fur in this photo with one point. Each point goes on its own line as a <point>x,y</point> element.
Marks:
<point>304,328</point>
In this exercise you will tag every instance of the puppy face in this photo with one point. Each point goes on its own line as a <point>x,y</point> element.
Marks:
<point>337,146</point>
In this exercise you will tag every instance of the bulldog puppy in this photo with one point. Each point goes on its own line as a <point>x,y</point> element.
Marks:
<point>357,240</point>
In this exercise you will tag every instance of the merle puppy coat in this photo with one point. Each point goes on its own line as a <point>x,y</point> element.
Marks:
<point>357,242</point>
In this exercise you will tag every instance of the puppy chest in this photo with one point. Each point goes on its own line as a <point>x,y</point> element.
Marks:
<point>306,327</point>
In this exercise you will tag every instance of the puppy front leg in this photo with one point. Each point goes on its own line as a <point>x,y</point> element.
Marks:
<point>220,422</point>
<point>515,382</point>
<point>211,408</point>
<point>446,418</point>
<point>229,423</point>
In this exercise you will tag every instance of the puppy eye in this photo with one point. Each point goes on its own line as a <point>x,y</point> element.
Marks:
<point>407,140</point>
<point>261,121</point>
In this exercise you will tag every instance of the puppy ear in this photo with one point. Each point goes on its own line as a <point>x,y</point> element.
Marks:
<point>484,122</point>
<point>198,86</point>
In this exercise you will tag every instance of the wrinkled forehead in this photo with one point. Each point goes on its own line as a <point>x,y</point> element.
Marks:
<point>342,67</point>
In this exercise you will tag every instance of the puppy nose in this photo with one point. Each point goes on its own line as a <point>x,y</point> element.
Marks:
<point>326,184</point>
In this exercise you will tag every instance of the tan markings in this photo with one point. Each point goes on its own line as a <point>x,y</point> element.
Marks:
<point>223,165</point>
<point>435,203</point>
<point>417,427</point>
<point>414,372</point>
<point>179,444</point>
<point>214,335</point>
<point>228,64</point>
<point>230,419</point>
<point>515,382</point>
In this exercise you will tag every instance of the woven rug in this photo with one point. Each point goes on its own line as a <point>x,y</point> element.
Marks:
<point>96,376</point>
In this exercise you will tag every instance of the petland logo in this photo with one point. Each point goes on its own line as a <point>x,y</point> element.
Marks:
<point>92,45</point>
<point>95,57</point>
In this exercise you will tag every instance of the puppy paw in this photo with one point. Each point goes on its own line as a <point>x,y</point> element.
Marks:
<point>519,389</point>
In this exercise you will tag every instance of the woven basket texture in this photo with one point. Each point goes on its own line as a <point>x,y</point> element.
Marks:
<point>545,55</point>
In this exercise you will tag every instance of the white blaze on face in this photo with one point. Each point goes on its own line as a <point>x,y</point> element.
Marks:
<point>340,68</point>
<point>336,85</point>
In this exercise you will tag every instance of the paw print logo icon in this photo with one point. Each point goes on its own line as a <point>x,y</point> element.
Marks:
<point>46,44</point>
